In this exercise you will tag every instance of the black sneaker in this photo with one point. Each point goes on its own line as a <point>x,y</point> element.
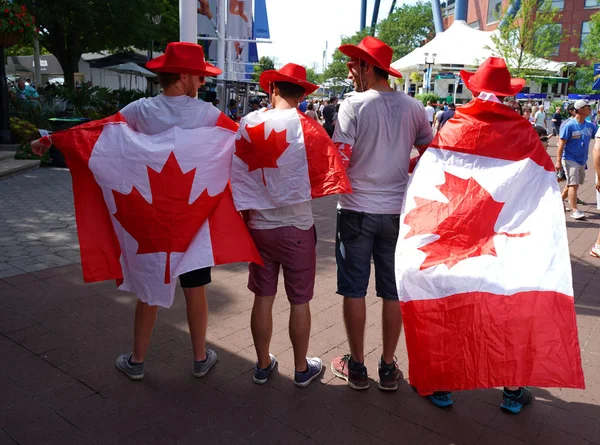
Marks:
<point>354,373</point>
<point>513,403</point>
<point>388,375</point>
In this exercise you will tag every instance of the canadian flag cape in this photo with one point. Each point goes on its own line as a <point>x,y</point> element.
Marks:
<point>283,157</point>
<point>482,261</point>
<point>149,208</point>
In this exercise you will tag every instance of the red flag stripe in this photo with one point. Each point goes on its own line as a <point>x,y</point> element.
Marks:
<point>482,340</point>
<point>100,251</point>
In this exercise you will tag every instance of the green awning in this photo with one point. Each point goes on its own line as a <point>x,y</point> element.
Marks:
<point>548,79</point>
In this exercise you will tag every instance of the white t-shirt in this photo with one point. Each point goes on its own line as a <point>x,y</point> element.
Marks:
<point>430,112</point>
<point>298,215</point>
<point>540,119</point>
<point>154,115</point>
<point>382,129</point>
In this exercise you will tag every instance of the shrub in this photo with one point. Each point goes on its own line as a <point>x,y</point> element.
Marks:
<point>425,97</point>
<point>26,132</point>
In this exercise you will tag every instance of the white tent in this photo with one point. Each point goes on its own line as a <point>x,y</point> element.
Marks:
<point>460,45</point>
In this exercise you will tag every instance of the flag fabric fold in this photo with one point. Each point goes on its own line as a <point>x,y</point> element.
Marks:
<point>482,261</point>
<point>283,157</point>
<point>152,207</point>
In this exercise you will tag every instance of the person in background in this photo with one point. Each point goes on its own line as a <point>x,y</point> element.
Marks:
<point>436,119</point>
<point>447,115</point>
<point>329,113</point>
<point>556,121</point>
<point>302,106</point>
<point>232,110</point>
<point>527,114</point>
<point>573,150</point>
<point>310,111</point>
<point>430,112</point>
<point>595,252</point>
<point>539,119</point>
<point>25,91</point>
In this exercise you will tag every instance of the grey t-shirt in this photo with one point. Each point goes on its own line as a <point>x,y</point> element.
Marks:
<point>154,115</point>
<point>382,129</point>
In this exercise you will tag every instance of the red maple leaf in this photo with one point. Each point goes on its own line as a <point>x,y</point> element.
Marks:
<point>169,223</point>
<point>260,152</point>
<point>465,225</point>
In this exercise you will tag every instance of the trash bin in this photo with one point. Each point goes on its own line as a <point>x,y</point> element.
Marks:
<point>58,124</point>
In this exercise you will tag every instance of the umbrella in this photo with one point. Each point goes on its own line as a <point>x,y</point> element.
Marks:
<point>131,68</point>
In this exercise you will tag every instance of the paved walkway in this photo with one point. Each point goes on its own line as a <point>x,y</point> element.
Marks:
<point>59,339</point>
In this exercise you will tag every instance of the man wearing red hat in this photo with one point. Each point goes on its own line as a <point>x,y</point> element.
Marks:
<point>376,129</point>
<point>485,129</point>
<point>276,196</point>
<point>181,72</point>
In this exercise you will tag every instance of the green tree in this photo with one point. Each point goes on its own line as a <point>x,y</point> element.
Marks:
<point>313,77</point>
<point>406,28</point>
<point>591,46</point>
<point>70,28</point>
<point>264,64</point>
<point>532,34</point>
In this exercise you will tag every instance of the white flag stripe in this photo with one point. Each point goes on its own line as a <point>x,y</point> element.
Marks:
<point>288,183</point>
<point>120,161</point>
<point>532,204</point>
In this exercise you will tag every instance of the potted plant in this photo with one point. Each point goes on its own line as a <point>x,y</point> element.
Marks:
<point>16,23</point>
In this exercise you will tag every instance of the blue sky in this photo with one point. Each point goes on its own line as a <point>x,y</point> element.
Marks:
<point>300,29</point>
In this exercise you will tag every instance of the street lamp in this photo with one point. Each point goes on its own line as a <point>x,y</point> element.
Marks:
<point>428,72</point>
<point>155,19</point>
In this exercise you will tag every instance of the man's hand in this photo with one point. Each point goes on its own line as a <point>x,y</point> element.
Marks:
<point>41,146</point>
<point>558,166</point>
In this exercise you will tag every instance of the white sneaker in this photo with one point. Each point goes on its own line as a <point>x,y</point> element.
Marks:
<point>595,251</point>
<point>577,214</point>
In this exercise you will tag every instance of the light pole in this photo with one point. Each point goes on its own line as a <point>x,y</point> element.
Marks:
<point>155,19</point>
<point>428,72</point>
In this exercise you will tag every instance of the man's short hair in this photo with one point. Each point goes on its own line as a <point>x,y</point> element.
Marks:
<point>289,90</point>
<point>333,98</point>
<point>380,73</point>
<point>452,106</point>
<point>168,79</point>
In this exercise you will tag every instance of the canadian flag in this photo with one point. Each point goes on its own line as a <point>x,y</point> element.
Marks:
<point>149,208</point>
<point>283,157</point>
<point>482,261</point>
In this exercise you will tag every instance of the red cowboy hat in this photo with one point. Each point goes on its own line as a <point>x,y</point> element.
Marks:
<point>185,58</point>
<point>492,76</point>
<point>374,52</point>
<point>291,73</point>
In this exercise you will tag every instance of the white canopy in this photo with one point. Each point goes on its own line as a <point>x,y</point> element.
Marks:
<point>460,45</point>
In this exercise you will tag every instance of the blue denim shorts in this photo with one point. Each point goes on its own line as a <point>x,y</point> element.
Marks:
<point>360,237</point>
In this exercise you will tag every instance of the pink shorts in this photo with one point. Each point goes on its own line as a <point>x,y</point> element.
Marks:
<point>294,250</point>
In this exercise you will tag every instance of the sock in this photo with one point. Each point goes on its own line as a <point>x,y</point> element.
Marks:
<point>133,363</point>
<point>201,361</point>
<point>305,371</point>
<point>356,365</point>
<point>512,393</point>
<point>385,365</point>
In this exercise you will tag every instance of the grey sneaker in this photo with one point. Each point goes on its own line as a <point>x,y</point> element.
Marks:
<point>314,367</point>
<point>135,371</point>
<point>202,368</point>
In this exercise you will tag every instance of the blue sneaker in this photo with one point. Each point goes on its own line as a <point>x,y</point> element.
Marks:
<point>441,399</point>
<point>314,366</point>
<point>260,375</point>
<point>513,403</point>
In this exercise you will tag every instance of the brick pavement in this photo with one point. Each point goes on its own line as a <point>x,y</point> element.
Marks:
<point>59,339</point>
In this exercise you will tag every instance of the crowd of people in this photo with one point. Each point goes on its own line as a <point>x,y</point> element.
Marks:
<point>374,131</point>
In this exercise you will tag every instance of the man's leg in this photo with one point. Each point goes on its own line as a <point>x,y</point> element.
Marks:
<point>392,326</point>
<point>145,318</point>
<point>355,317</point>
<point>353,250</point>
<point>573,196</point>
<point>261,323</point>
<point>299,327</point>
<point>197,315</point>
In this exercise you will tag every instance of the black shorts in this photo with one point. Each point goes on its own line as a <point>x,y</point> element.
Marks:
<point>195,278</point>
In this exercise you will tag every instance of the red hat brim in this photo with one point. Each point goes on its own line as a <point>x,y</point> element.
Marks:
<point>355,51</point>
<point>270,76</point>
<point>516,85</point>
<point>159,66</point>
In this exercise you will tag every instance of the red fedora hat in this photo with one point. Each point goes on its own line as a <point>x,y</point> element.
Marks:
<point>291,73</point>
<point>492,76</point>
<point>374,52</point>
<point>185,58</point>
